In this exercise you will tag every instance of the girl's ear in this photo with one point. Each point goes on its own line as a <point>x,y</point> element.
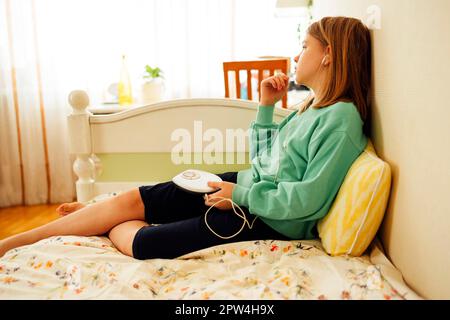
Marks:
<point>328,54</point>
<point>326,58</point>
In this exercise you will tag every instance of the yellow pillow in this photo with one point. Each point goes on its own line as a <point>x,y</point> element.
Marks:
<point>358,209</point>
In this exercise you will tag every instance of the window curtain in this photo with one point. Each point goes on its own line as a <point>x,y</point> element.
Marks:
<point>51,47</point>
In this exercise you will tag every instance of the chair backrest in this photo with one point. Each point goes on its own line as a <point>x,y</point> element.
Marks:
<point>260,66</point>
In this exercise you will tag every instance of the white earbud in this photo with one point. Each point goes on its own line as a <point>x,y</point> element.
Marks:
<point>323,60</point>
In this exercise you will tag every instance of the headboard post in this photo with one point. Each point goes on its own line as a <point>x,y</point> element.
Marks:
<point>80,145</point>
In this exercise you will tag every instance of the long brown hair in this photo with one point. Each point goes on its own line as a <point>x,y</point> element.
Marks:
<point>349,74</point>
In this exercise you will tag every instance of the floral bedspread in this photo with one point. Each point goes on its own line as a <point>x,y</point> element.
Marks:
<point>71,267</point>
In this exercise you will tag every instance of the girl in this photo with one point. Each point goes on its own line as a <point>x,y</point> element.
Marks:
<point>282,195</point>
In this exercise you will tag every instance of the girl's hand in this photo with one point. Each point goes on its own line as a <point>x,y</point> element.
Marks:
<point>226,191</point>
<point>273,89</point>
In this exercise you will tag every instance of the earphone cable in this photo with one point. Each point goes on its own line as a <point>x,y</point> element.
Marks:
<point>245,221</point>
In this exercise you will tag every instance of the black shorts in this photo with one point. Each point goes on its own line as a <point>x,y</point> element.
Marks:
<point>181,227</point>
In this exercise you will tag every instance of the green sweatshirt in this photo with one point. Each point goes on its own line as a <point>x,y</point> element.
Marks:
<point>299,165</point>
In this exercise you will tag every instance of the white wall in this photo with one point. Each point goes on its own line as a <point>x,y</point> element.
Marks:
<point>411,131</point>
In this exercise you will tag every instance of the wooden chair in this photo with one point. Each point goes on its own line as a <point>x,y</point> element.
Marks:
<point>260,66</point>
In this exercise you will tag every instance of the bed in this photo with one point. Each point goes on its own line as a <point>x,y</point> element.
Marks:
<point>73,267</point>
<point>133,147</point>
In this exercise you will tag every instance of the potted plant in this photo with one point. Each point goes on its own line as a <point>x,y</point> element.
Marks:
<point>152,88</point>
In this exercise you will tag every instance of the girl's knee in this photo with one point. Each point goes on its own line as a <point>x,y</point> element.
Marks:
<point>131,198</point>
<point>122,235</point>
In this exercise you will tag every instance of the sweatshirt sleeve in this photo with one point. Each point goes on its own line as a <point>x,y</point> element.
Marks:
<point>329,159</point>
<point>262,131</point>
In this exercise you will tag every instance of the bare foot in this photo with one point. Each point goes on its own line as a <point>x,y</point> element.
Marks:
<point>3,248</point>
<point>68,208</point>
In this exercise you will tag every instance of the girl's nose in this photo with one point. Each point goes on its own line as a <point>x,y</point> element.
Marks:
<point>296,58</point>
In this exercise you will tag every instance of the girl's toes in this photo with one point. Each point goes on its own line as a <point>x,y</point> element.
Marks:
<point>61,209</point>
<point>67,208</point>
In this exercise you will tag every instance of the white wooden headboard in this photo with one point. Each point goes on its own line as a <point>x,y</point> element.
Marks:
<point>150,129</point>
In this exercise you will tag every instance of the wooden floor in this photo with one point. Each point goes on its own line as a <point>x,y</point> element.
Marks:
<point>17,219</point>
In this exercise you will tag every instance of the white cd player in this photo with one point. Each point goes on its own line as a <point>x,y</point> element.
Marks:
<point>196,181</point>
